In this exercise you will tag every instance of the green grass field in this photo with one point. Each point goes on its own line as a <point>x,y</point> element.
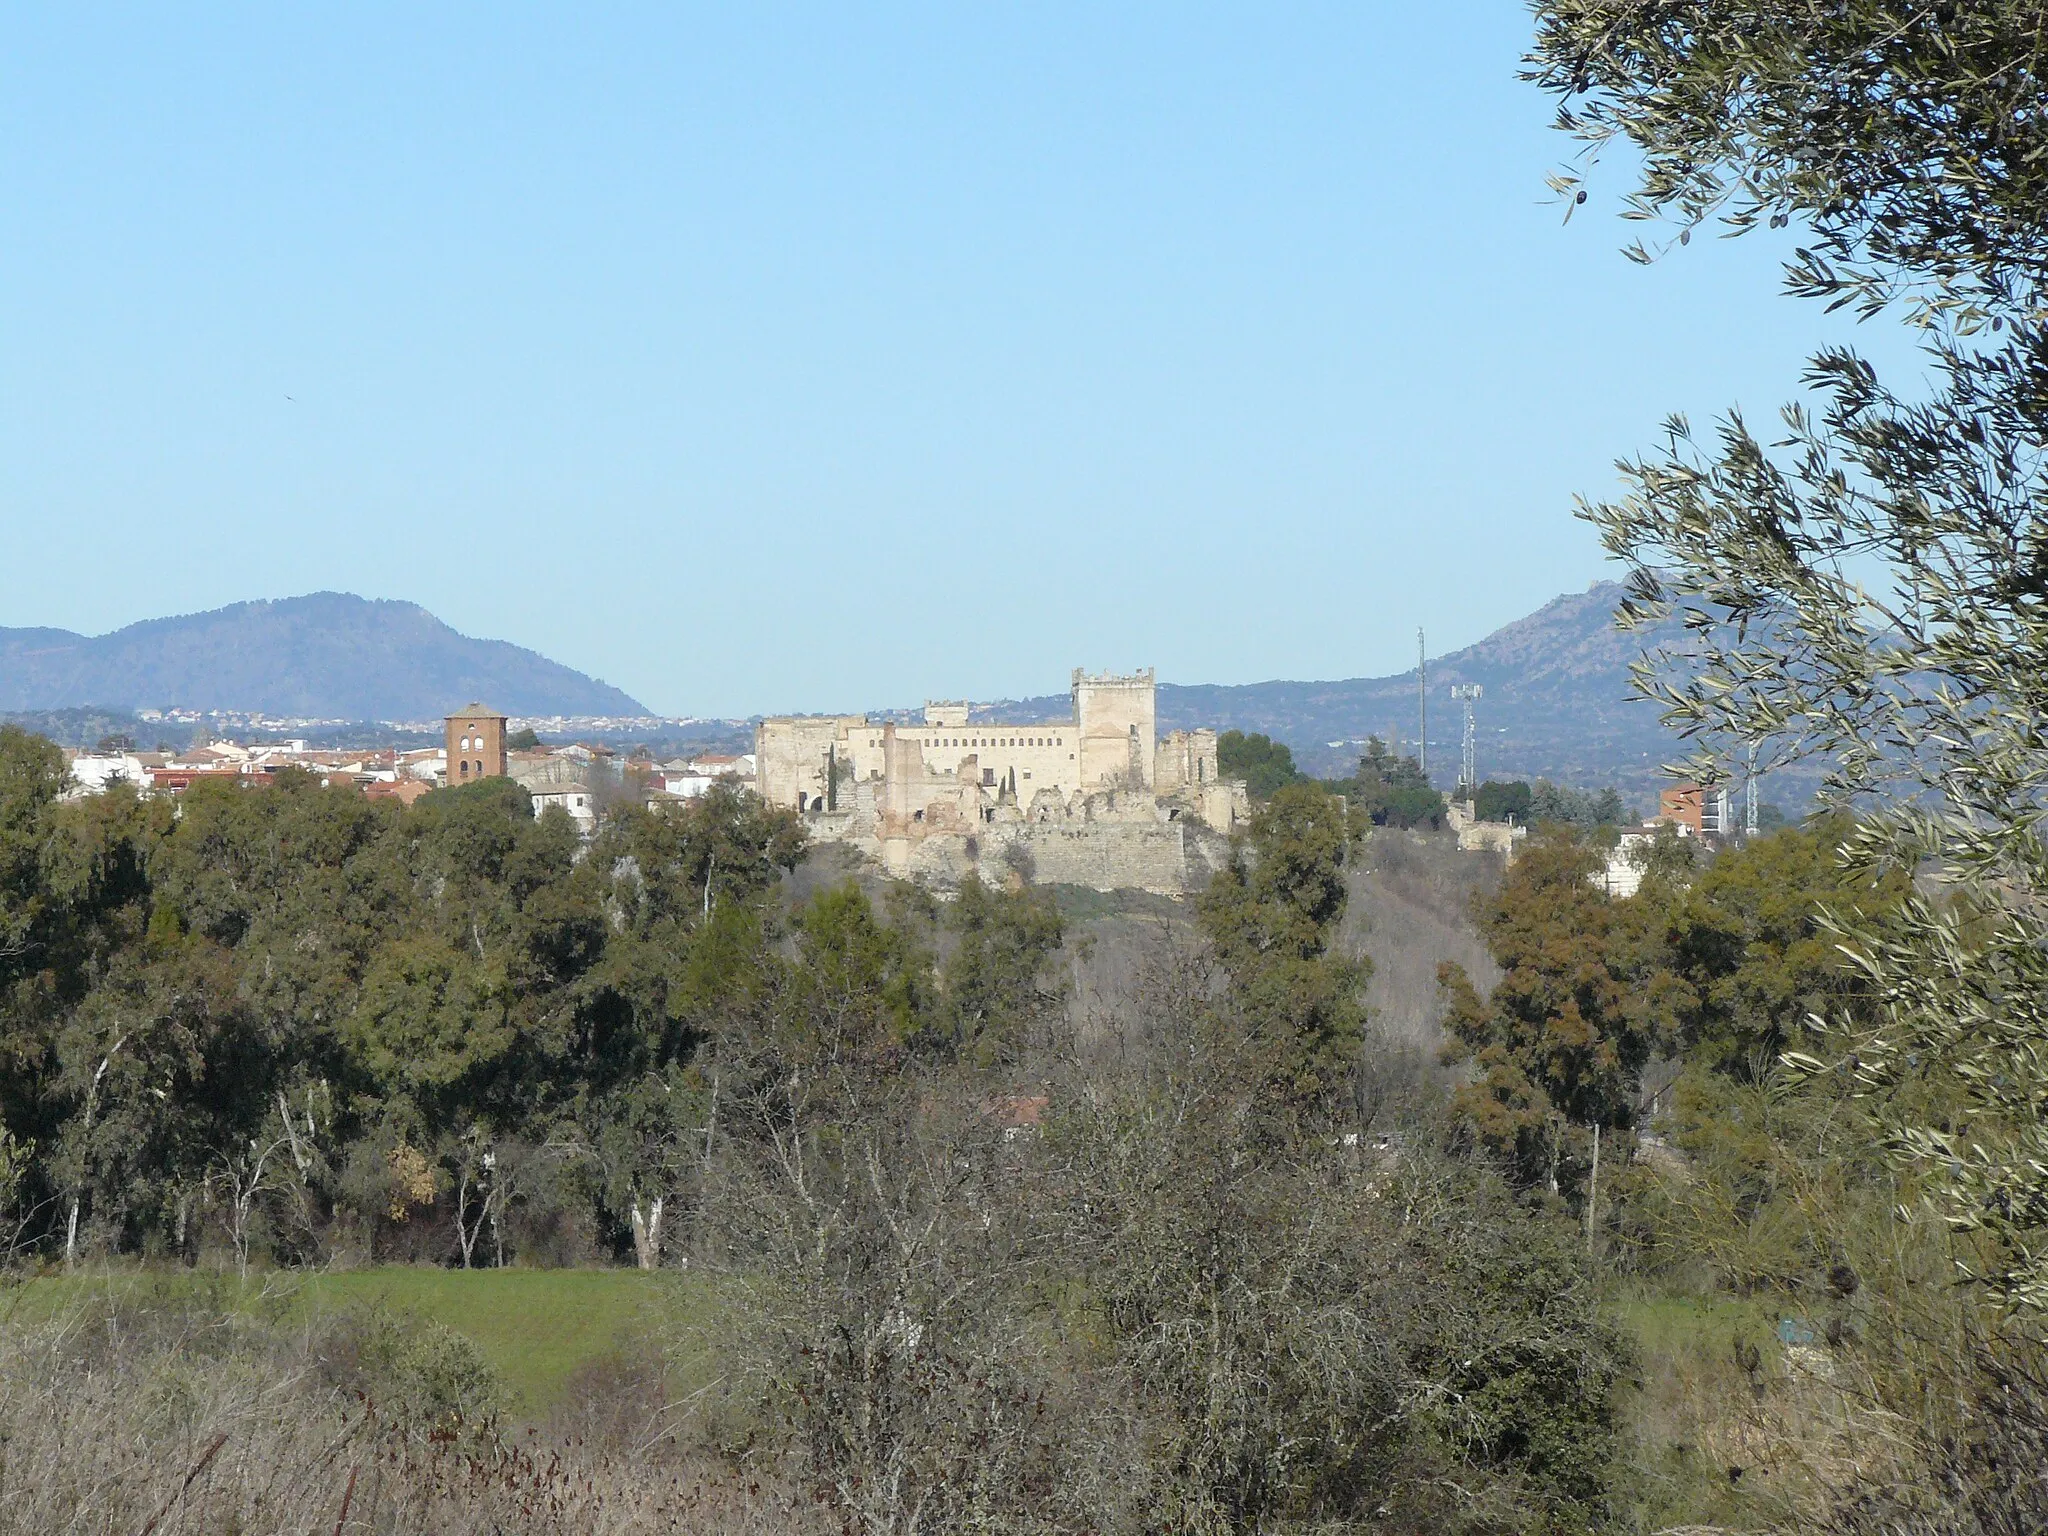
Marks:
<point>536,1327</point>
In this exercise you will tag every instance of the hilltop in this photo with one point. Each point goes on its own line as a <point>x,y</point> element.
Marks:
<point>328,656</point>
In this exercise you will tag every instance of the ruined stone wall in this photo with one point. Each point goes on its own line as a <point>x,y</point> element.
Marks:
<point>790,755</point>
<point>1185,760</point>
<point>1226,807</point>
<point>1167,858</point>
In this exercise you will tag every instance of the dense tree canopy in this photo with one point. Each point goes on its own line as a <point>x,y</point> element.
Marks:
<point>301,962</point>
<point>1392,791</point>
<point>1496,801</point>
<point>308,1017</point>
<point>1272,916</point>
<point>1751,937</point>
<point>1265,765</point>
<point>1584,998</point>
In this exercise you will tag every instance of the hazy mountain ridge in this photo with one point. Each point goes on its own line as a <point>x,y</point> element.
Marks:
<point>328,655</point>
<point>1556,704</point>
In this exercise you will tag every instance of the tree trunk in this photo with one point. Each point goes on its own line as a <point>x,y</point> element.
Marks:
<point>465,1234</point>
<point>1593,1190</point>
<point>647,1232</point>
<point>240,1210</point>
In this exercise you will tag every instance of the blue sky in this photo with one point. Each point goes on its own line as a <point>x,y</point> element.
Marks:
<point>772,358</point>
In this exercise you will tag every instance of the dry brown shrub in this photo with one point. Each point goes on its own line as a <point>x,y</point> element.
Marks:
<point>189,1424</point>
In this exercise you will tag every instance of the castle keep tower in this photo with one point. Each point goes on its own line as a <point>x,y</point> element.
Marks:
<point>1116,718</point>
<point>476,745</point>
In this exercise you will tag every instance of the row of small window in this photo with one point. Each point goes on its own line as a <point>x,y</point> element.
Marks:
<point>1012,741</point>
<point>464,770</point>
<point>471,744</point>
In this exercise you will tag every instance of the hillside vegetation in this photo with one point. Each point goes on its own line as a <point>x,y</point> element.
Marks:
<point>1330,1199</point>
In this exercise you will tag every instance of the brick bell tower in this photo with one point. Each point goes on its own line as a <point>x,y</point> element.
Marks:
<point>476,745</point>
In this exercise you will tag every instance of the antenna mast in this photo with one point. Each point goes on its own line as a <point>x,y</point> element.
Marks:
<point>1467,692</point>
<point>1421,707</point>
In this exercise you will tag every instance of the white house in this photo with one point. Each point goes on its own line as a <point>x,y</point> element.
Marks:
<point>718,766</point>
<point>93,772</point>
<point>574,798</point>
<point>686,786</point>
<point>1627,859</point>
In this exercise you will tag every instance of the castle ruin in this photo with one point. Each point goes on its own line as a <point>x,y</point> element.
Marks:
<point>1098,799</point>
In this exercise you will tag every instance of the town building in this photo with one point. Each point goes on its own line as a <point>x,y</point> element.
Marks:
<point>94,773</point>
<point>476,745</point>
<point>1702,809</point>
<point>1629,859</point>
<point>575,799</point>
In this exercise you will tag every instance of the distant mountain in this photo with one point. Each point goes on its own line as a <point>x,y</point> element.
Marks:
<point>1556,705</point>
<point>329,656</point>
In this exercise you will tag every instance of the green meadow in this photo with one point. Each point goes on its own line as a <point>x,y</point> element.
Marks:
<point>536,1327</point>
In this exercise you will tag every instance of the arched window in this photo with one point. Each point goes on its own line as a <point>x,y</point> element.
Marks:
<point>464,772</point>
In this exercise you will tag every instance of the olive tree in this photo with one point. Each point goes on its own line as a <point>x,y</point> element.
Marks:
<point>1867,582</point>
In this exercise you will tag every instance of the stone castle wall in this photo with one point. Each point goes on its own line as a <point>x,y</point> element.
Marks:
<point>1098,800</point>
<point>1166,858</point>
